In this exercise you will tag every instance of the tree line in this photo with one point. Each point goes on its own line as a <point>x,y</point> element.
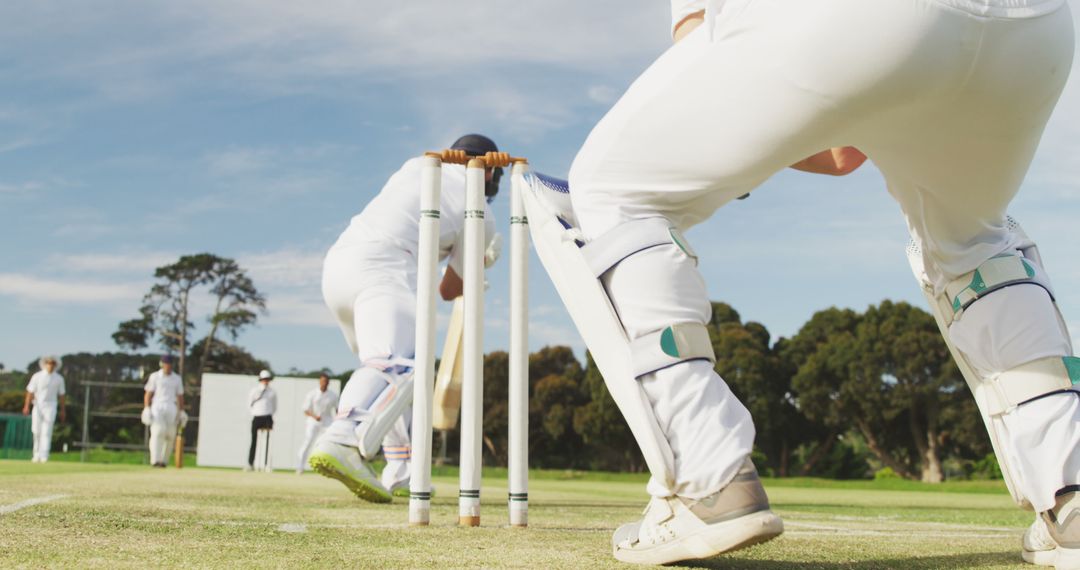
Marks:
<point>849,395</point>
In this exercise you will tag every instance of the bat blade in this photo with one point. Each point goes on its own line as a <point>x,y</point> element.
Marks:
<point>178,454</point>
<point>447,398</point>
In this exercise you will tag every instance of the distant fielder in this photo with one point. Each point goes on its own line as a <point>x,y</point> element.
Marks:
<point>262,403</point>
<point>369,284</point>
<point>47,394</point>
<point>163,410</point>
<point>320,404</point>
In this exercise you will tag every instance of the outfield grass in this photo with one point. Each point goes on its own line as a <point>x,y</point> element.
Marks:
<point>125,516</point>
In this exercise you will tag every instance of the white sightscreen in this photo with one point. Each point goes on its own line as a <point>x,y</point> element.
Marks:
<point>225,422</point>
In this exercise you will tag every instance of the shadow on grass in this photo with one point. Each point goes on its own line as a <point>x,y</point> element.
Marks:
<point>969,560</point>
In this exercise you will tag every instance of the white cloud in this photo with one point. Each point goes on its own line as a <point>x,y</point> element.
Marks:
<point>135,262</point>
<point>16,144</point>
<point>33,289</point>
<point>543,333</point>
<point>240,160</point>
<point>20,187</point>
<point>298,310</point>
<point>288,267</point>
<point>602,94</point>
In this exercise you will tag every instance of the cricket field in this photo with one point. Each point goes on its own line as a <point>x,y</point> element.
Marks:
<point>71,515</point>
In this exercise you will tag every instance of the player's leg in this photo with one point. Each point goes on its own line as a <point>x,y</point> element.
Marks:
<point>705,124</point>
<point>954,169</point>
<point>156,453</point>
<point>170,443</point>
<point>35,431</point>
<point>312,430</point>
<point>397,450</point>
<point>46,428</point>
<point>254,443</point>
<point>163,418</point>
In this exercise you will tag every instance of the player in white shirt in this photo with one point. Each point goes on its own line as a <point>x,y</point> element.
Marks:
<point>163,410</point>
<point>262,403</point>
<point>46,392</point>
<point>320,405</point>
<point>369,284</point>
<point>949,98</point>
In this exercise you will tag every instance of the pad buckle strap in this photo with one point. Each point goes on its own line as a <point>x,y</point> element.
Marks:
<point>1028,381</point>
<point>993,274</point>
<point>678,343</point>
<point>624,240</point>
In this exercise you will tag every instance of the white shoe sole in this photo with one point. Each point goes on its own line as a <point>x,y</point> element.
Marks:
<point>710,541</point>
<point>1039,557</point>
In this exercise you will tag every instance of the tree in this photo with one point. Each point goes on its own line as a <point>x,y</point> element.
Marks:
<point>231,359</point>
<point>888,374</point>
<point>555,394</point>
<point>901,344</point>
<point>810,391</point>
<point>166,310</point>
<point>761,379</point>
<point>602,427</point>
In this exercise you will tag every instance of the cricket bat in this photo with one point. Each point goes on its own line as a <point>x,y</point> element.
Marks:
<point>178,453</point>
<point>447,402</point>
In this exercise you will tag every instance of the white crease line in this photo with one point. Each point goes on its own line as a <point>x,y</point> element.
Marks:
<point>892,520</point>
<point>921,525</point>
<point>816,529</point>
<point>8,509</point>
<point>854,532</point>
<point>292,527</point>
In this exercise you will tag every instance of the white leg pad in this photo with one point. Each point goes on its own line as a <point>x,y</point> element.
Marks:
<point>385,411</point>
<point>1001,393</point>
<point>575,274</point>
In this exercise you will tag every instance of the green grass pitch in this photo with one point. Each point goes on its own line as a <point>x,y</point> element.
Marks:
<point>125,516</point>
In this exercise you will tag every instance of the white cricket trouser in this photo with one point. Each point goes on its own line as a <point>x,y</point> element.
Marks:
<point>162,432</point>
<point>42,420</point>
<point>312,430</point>
<point>948,105</point>
<point>370,289</point>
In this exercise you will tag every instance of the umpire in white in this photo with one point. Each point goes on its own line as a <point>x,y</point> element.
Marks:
<point>262,402</point>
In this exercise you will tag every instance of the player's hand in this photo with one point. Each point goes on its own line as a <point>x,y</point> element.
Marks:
<point>318,418</point>
<point>26,410</point>
<point>63,416</point>
<point>833,162</point>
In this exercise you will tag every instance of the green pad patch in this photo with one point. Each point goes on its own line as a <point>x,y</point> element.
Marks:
<point>1072,366</point>
<point>668,344</point>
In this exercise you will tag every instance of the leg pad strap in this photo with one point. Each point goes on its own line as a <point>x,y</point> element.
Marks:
<point>1030,381</point>
<point>663,348</point>
<point>996,273</point>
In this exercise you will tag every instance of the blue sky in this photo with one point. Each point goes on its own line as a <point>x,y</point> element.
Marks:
<point>133,132</point>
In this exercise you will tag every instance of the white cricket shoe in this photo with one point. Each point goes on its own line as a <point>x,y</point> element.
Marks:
<point>1054,538</point>
<point>1038,547</point>
<point>675,529</point>
<point>344,463</point>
